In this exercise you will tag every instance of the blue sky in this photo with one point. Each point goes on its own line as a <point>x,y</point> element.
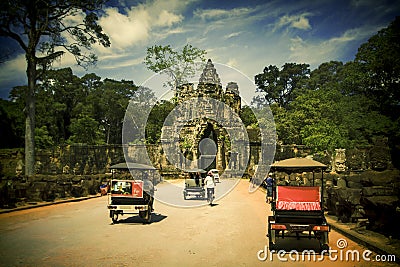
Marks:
<point>245,35</point>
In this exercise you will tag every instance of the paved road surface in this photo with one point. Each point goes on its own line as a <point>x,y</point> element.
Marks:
<point>231,233</point>
<point>172,193</point>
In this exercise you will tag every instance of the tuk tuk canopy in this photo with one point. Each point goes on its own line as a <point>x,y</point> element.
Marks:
<point>293,165</point>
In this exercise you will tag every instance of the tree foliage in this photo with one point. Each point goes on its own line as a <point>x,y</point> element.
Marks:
<point>44,31</point>
<point>248,117</point>
<point>282,86</point>
<point>379,61</point>
<point>108,103</point>
<point>68,106</point>
<point>156,120</point>
<point>179,66</point>
<point>11,124</point>
<point>336,105</point>
<point>85,129</point>
<point>333,106</point>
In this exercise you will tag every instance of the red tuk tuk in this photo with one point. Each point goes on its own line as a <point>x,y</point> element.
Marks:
<point>298,209</point>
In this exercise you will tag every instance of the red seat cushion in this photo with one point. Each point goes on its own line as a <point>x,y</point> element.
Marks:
<point>298,198</point>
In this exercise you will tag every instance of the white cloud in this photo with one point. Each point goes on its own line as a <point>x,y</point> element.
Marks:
<point>167,18</point>
<point>214,14</point>
<point>231,35</point>
<point>13,67</point>
<point>125,30</point>
<point>314,52</point>
<point>123,63</point>
<point>302,23</point>
<point>136,25</point>
<point>295,21</point>
<point>232,62</point>
<point>210,13</point>
<point>164,33</point>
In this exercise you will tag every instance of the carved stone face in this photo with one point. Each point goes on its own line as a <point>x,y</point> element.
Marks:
<point>340,166</point>
<point>340,160</point>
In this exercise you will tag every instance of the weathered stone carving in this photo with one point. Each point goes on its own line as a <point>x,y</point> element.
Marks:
<point>379,155</point>
<point>66,169</point>
<point>197,125</point>
<point>77,168</point>
<point>18,168</point>
<point>339,162</point>
<point>210,74</point>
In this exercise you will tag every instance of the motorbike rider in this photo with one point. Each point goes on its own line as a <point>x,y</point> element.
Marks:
<point>270,184</point>
<point>149,189</point>
<point>209,184</point>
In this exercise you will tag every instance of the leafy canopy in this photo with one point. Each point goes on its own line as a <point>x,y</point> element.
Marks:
<point>178,65</point>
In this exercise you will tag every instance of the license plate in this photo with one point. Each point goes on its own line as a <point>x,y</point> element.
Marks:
<point>299,227</point>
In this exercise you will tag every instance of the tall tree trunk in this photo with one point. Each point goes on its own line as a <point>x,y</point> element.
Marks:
<point>108,133</point>
<point>30,118</point>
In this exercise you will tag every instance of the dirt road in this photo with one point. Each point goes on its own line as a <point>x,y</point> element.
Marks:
<point>231,233</point>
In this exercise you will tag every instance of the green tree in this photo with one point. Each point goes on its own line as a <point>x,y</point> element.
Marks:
<point>282,86</point>
<point>56,97</point>
<point>179,66</point>
<point>328,117</point>
<point>287,128</point>
<point>326,75</point>
<point>40,27</point>
<point>379,61</point>
<point>317,115</point>
<point>248,117</point>
<point>156,120</point>
<point>61,97</point>
<point>86,130</point>
<point>42,138</point>
<point>137,115</point>
<point>11,124</point>
<point>109,103</point>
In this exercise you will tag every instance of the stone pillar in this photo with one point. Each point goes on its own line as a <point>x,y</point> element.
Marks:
<point>220,155</point>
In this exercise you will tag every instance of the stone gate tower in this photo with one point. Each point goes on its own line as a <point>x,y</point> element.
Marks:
<point>214,139</point>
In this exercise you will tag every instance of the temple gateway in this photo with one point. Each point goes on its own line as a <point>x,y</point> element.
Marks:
<point>208,120</point>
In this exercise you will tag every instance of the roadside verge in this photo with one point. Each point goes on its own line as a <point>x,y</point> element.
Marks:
<point>372,240</point>
<point>47,203</point>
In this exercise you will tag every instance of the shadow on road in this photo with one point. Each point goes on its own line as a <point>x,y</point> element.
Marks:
<point>155,218</point>
<point>304,244</point>
<point>195,199</point>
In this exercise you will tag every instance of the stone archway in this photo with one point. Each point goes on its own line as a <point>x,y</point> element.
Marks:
<point>208,147</point>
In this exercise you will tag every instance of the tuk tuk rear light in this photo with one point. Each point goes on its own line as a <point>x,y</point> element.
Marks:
<point>321,228</point>
<point>278,227</point>
<point>112,207</point>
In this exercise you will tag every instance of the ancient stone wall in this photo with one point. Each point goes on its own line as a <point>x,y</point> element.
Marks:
<point>39,188</point>
<point>371,195</point>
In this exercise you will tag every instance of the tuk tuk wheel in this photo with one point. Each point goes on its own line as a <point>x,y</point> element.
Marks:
<point>271,239</point>
<point>145,215</point>
<point>324,242</point>
<point>324,247</point>
<point>114,216</point>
